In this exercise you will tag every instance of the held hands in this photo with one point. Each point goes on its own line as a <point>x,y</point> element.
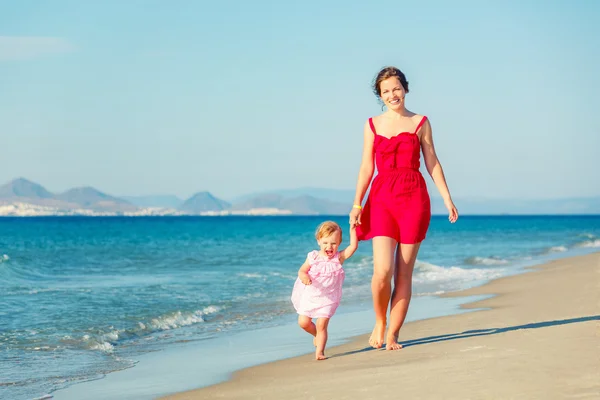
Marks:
<point>355,216</point>
<point>304,278</point>
<point>452,211</point>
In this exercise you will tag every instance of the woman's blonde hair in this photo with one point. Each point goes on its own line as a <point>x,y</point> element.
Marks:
<point>327,228</point>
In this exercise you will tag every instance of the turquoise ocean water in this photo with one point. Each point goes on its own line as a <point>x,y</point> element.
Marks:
<point>82,298</point>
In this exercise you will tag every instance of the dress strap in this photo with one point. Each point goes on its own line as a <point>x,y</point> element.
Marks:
<point>421,124</point>
<point>372,126</point>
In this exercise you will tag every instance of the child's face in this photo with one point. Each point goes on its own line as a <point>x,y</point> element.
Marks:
<point>329,244</point>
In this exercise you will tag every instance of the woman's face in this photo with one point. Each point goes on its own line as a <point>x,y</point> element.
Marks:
<point>392,93</point>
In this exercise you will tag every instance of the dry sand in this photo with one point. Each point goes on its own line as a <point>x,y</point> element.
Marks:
<point>537,338</point>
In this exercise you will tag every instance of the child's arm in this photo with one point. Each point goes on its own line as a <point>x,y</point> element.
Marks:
<point>348,251</point>
<point>303,273</point>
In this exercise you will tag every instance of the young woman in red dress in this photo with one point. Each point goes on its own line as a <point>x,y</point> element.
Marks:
<point>397,212</point>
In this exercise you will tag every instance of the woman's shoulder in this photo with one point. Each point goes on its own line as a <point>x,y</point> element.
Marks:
<point>374,118</point>
<point>412,115</point>
<point>417,117</point>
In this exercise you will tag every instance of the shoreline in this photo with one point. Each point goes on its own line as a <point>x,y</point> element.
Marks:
<point>183,368</point>
<point>514,305</point>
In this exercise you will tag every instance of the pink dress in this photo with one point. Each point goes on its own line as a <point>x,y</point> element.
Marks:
<point>322,297</point>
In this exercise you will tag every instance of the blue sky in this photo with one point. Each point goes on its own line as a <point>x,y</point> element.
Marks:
<point>158,97</point>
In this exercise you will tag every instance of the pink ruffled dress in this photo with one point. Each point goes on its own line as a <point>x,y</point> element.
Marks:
<point>322,297</point>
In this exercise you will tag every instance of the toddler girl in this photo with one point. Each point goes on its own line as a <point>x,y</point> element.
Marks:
<point>318,289</point>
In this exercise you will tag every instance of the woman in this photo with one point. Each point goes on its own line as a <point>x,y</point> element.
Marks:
<point>397,212</point>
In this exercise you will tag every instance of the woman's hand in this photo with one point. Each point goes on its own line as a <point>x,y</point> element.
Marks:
<point>452,211</point>
<point>355,216</point>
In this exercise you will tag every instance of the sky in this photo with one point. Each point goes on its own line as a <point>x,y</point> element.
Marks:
<point>236,97</point>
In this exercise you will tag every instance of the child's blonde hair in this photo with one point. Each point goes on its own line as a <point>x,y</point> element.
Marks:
<point>327,228</point>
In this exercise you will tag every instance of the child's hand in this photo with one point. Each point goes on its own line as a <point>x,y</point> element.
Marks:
<point>355,215</point>
<point>304,278</point>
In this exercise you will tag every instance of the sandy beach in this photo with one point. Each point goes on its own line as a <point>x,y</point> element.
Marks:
<point>537,336</point>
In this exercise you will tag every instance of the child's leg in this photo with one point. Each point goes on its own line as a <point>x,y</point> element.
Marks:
<point>321,339</point>
<point>307,324</point>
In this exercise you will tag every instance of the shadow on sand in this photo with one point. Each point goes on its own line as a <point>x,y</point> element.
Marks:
<point>478,332</point>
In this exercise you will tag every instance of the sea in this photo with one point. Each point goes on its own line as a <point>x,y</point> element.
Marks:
<point>138,307</point>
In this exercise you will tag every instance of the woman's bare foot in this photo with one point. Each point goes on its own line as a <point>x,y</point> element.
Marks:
<point>320,357</point>
<point>391,343</point>
<point>376,339</point>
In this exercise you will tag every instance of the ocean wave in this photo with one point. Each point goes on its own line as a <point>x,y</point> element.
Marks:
<point>486,261</point>
<point>434,274</point>
<point>16,272</point>
<point>587,235</point>
<point>358,290</point>
<point>104,347</point>
<point>44,290</point>
<point>248,296</point>
<point>436,293</point>
<point>589,243</point>
<point>250,275</point>
<point>357,267</point>
<point>105,341</point>
<point>44,397</point>
<point>361,261</point>
<point>284,276</point>
<point>557,249</point>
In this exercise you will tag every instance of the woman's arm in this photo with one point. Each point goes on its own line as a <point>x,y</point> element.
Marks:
<point>434,167</point>
<point>365,174</point>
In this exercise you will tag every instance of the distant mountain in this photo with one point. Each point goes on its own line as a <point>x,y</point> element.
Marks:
<point>336,195</point>
<point>474,206</point>
<point>163,201</point>
<point>24,191</point>
<point>203,202</point>
<point>22,188</point>
<point>466,206</point>
<point>301,205</point>
<point>261,201</point>
<point>90,198</point>
<point>312,205</point>
<point>302,201</point>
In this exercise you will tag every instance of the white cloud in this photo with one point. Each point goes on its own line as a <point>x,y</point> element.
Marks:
<point>29,47</point>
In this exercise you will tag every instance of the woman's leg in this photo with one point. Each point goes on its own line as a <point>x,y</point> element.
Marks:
<point>381,287</point>
<point>406,255</point>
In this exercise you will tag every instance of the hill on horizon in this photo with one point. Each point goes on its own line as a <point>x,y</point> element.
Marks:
<point>22,190</point>
<point>300,201</point>
<point>466,206</point>
<point>203,202</point>
<point>162,201</point>
<point>301,205</point>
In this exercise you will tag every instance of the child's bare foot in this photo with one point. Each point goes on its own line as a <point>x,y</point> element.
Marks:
<point>320,357</point>
<point>376,339</point>
<point>391,343</point>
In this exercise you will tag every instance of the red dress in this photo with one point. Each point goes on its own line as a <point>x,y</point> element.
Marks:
<point>398,204</point>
